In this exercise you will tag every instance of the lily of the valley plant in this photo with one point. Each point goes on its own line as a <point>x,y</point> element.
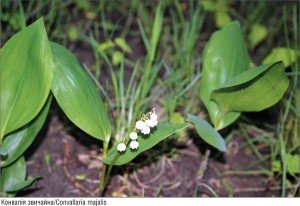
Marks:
<point>33,70</point>
<point>145,124</point>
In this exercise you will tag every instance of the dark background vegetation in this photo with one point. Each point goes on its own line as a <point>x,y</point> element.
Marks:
<point>183,165</point>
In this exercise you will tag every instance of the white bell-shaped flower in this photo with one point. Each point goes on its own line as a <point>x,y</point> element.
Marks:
<point>149,123</point>
<point>153,116</point>
<point>145,130</point>
<point>140,124</point>
<point>121,147</point>
<point>154,123</point>
<point>134,144</point>
<point>133,136</point>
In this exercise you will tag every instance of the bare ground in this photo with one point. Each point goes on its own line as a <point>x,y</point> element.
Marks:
<point>189,172</point>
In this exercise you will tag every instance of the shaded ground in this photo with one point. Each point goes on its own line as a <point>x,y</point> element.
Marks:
<point>185,174</point>
<point>181,170</point>
<point>65,156</point>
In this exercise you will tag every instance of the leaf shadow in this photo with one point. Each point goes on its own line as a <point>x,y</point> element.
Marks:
<point>40,137</point>
<point>153,155</point>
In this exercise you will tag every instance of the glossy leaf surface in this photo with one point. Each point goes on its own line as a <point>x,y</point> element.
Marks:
<point>17,142</point>
<point>257,34</point>
<point>22,185</point>
<point>77,96</point>
<point>253,90</point>
<point>13,174</point>
<point>287,55</point>
<point>161,132</point>
<point>25,76</point>
<point>207,132</point>
<point>225,56</point>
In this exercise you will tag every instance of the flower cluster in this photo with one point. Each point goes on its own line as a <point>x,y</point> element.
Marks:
<point>144,125</point>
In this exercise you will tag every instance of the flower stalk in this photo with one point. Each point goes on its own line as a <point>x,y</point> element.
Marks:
<point>144,125</point>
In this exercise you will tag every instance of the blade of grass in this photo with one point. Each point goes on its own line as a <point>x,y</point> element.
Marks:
<point>21,14</point>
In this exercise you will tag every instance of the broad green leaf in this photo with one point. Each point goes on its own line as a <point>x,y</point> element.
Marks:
<point>293,163</point>
<point>176,118</point>
<point>220,9</point>
<point>17,142</point>
<point>207,132</point>
<point>222,18</point>
<point>77,95</point>
<point>3,152</point>
<point>122,44</point>
<point>117,57</point>
<point>253,90</point>
<point>208,5</point>
<point>106,45</point>
<point>25,77</point>
<point>222,5</point>
<point>161,132</point>
<point>22,185</point>
<point>276,166</point>
<point>287,55</point>
<point>221,14</point>
<point>13,174</point>
<point>225,56</point>
<point>73,33</point>
<point>257,34</point>
<point>84,5</point>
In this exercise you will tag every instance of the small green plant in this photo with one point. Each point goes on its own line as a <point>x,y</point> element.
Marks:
<point>32,70</point>
<point>221,10</point>
<point>228,87</point>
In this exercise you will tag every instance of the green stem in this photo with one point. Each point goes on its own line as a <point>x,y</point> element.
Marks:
<point>220,117</point>
<point>102,180</point>
<point>1,137</point>
<point>110,167</point>
<point>105,174</point>
<point>284,167</point>
<point>105,177</point>
<point>102,173</point>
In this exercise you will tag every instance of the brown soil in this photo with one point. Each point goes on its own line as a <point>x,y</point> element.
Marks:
<point>189,169</point>
<point>177,175</point>
<point>165,173</point>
